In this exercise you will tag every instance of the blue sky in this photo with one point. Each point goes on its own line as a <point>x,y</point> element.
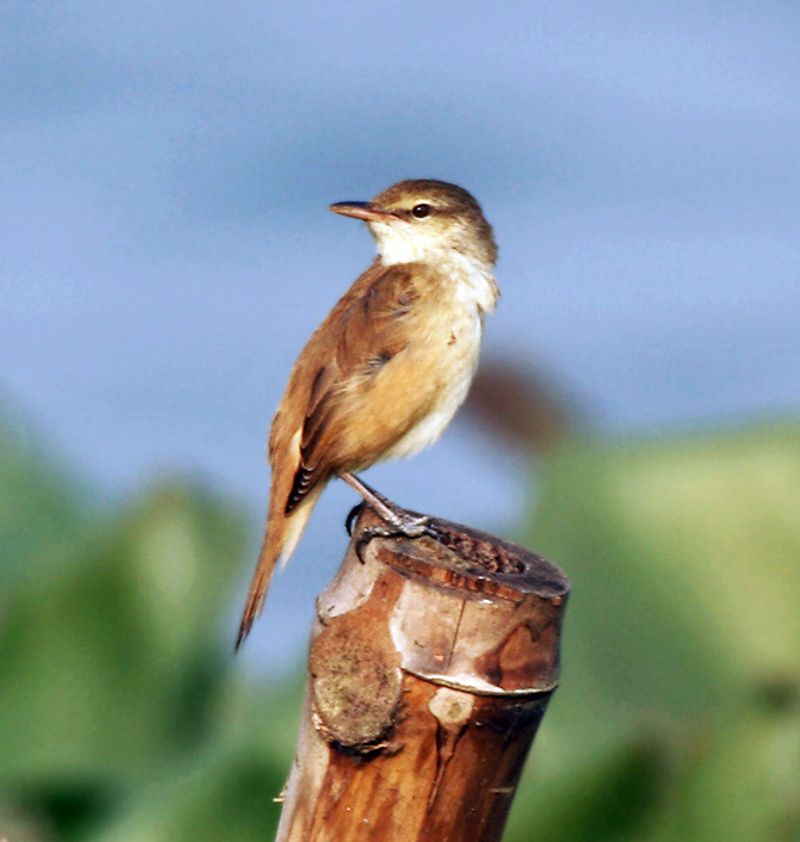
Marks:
<point>165,248</point>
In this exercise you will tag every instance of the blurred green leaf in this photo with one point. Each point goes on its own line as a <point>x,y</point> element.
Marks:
<point>227,788</point>
<point>120,705</point>
<point>227,796</point>
<point>683,556</point>
<point>97,656</point>
<point>611,799</point>
<point>43,510</point>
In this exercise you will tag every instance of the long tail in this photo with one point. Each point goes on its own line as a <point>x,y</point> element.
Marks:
<point>280,539</point>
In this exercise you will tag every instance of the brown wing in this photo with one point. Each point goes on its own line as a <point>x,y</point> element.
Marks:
<point>361,335</point>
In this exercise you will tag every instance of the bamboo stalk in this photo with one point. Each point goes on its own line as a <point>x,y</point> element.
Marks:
<point>431,665</point>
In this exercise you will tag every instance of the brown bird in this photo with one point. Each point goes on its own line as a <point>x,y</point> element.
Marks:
<point>386,371</point>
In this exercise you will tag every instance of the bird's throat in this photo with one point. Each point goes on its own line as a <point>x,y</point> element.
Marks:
<point>472,277</point>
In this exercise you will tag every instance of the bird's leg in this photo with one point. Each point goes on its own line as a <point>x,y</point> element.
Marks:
<point>382,506</point>
<point>398,522</point>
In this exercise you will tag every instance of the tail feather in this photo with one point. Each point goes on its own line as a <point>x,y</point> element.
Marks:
<point>280,539</point>
<point>267,557</point>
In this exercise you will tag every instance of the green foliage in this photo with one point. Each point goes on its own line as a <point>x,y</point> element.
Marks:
<point>121,713</point>
<point>683,622</point>
<point>42,511</point>
<point>123,716</point>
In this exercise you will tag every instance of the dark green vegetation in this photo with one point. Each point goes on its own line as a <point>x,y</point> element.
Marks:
<point>123,717</point>
<point>678,716</point>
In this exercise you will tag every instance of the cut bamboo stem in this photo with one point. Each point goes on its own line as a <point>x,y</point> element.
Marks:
<point>431,665</point>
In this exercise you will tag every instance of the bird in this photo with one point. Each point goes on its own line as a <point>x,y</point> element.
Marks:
<point>386,371</point>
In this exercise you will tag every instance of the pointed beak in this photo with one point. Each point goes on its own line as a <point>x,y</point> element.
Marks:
<point>363,210</point>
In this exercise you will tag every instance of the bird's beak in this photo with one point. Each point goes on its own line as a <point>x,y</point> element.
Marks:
<point>363,210</point>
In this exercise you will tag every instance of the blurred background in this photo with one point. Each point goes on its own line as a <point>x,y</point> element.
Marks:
<point>165,251</point>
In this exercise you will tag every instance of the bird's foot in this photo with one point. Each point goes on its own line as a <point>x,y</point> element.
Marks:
<point>397,522</point>
<point>407,525</point>
<point>401,525</point>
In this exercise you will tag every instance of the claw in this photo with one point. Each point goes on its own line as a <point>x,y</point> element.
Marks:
<point>363,540</point>
<point>352,516</point>
<point>368,534</point>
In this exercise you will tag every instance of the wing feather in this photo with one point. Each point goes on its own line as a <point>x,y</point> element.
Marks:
<point>360,337</point>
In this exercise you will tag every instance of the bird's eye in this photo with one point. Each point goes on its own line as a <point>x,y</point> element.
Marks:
<point>421,211</point>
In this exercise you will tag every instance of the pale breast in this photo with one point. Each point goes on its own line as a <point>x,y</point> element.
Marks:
<point>449,344</point>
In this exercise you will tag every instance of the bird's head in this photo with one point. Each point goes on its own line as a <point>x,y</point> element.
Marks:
<point>421,219</point>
